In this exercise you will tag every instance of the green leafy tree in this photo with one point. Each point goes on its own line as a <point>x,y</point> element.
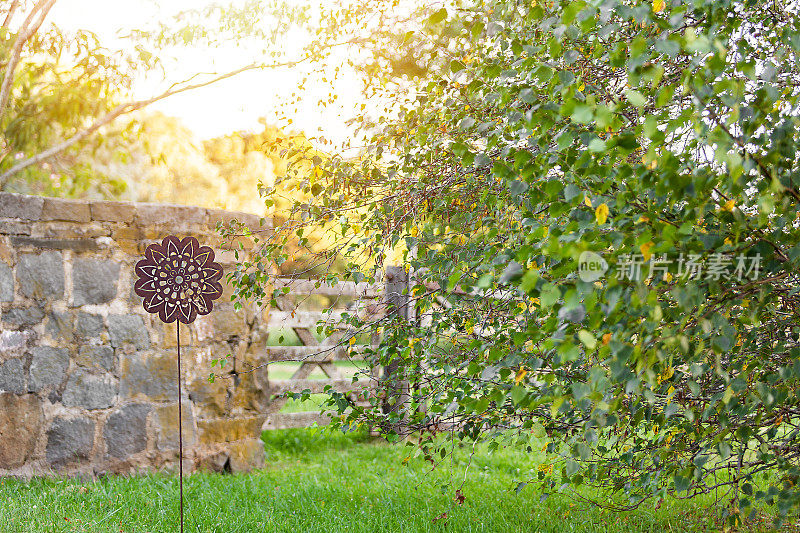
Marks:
<point>61,93</point>
<point>518,137</point>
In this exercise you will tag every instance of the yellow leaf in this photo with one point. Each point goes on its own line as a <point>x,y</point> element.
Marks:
<point>520,375</point>
<point>645,248</point>
<point>587,201</point>
<point>729,205</point>
<point>414,231</point>
<point>606,338</point>
<point>601,213</point>
<point>317,172</point>
<point>659,5</point>
<point>352,341</point>
<point>582,86</point>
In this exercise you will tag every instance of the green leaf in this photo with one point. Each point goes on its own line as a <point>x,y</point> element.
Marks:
<point>549,295</point>
<point>438,16</point>
<point>587,339</point>
<point>518,393</point>
<point>635,97</point>
<point>582,114</point>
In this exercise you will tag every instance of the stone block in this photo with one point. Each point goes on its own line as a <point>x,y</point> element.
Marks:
<point>166,423</point>
<point>92,356</point>
<point>76,232</point>
<point>210,399</point>
<point>252,392</point>
<point>14,343</point>
<point>12,376</point>
<point>78,245</point>
<point>128,330</point>
<point>20,417</point>
<point>90,391</point>
<point>21,206</point>
<point>229,429</point>
<point>41,276</point>
<point>135,300</point>
<point>158,214</point>
<point>7,253</point>
<point>23,316</point>
<point>61,209</point>
<point>48,367</point>
<point>246,455</point>
<point>69,441</point>
<point>113,211</point>
<point>251,221</point>
<point>170,334</point>
<point>126,431</point>
<point>89,325</point>
<point>229,322</point>
<point>152,376</point>
<point>59,326</point>
<point>94,281</point>
<point>6,283</point>
<point>12,227</point>
<point>218,462</point>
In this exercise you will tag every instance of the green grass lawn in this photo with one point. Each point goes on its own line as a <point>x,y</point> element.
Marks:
<point>330,483</point>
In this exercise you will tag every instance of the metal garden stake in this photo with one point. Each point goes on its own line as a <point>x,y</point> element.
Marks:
<point>179,280</point>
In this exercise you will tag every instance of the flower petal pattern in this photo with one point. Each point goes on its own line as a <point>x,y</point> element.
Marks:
<point>178,279</point>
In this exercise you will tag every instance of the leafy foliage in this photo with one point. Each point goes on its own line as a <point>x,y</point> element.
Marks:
<point>538,131</point>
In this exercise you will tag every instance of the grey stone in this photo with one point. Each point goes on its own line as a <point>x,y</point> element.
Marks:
<point>89,325</point>
<point>113,211</point>
<point>15,342</point>
<point>20,206</point>
<point>126,431</point>
<point>6,283</point>
<point>61,209</point>
<point>20,419</point>
<point>78,245</point>
<point>96,357</point>
<point>48,367</point>
<point>41,276</point>
<point>10,227</point>
<point>12,376</point>
<point>128,329</point>
<point>90,391</point>
<point>69,440</point>
<point>23,316</point>
<point>166,423</point>
<point>152,376</point>
<point>153,214</point>
<point>59,326</point>
<point>94,281</point>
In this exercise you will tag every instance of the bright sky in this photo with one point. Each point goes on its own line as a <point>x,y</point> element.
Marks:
<point>230,105</point>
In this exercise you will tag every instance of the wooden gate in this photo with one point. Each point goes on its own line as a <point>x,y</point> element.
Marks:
<point>313,354</point>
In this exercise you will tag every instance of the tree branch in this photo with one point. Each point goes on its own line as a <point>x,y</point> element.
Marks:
<point>10,13</point>
<point>124,109</point>
<point>25,32</point>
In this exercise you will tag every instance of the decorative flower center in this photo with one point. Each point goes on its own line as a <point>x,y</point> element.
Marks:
<point>179,279</point>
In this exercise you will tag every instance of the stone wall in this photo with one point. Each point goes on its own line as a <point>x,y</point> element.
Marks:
<point>87,378</point>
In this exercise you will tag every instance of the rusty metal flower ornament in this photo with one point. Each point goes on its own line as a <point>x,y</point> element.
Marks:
<point>178,279</point>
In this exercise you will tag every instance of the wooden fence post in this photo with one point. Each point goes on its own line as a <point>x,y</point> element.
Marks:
<point>395,384</point>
